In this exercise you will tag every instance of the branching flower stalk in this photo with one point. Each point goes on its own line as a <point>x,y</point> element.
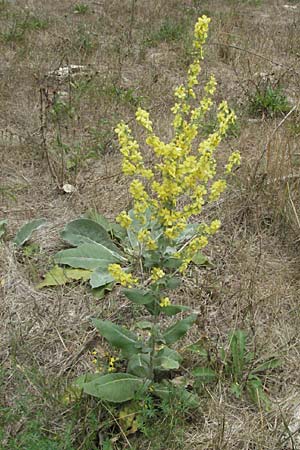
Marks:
<point>181,175</point>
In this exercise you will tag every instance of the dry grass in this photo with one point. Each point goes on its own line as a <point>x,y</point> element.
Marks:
<point>255,282</point>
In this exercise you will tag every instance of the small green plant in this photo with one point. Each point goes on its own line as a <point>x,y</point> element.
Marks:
<point>269,101</point>
<point>81,8</point>
<point>85,39</point>
<point>237,364</point>
<point>20,25</point>
<point>169,31</point>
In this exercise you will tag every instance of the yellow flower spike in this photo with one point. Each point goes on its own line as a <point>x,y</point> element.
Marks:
<point>180,92</point>
<point>210,87</point>
<point>144,237</point>
<point>120,276</point>
<point>165,301</point>
<point>214,226</point>
<point>142,117</point>
<point>124,220</point>
<point>233,160</point>
<point>157,273</point>
<point>216,189</point>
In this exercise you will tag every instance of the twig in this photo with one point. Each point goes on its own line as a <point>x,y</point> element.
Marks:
<point>43,137</point>
<point>293,206</point>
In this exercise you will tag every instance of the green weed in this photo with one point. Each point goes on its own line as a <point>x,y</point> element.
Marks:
<point>238,365</point>
<point>85,39</point>
<point>269,101</point>
<point>17,29</point>
<point>169,31</point>
<point>81,8</point>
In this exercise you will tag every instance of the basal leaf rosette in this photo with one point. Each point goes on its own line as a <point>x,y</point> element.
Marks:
<point>183,177</point>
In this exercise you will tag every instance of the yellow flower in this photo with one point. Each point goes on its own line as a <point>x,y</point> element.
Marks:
<point>120,276</point>
<point>157,273</point>
<point>214,226</point>
<point>216,189</point>
<point>164,301</point>
<point>233,160</point>
<point>144,237</point>
<point>124,220</point>
<point>180,92</point>
<point>142,117</point>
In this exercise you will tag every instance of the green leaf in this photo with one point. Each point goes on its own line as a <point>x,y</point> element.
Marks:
<point>3,224</point>
<point>173,283</point>
<point>100,219</point>
<point>271,364</point>
<point>114,387</point>
<point>144,325</point>
<point>172,263</point>
<point>167,359</point>
<point>139,365</point>
<point>238,349</point>
<point>59,276</point>
<point>236,389</point>
<point>117,336</point>
<point>86,231</point>
<point>189,231</point>
<point>99,293</point>
<point>26,231</point>
<point>172,310</point>
<point>199,259</point>
<point>198,347</point>
<point>86,378</point>
<point>111,227</point>
<point>139,296</point>
<point>177,331</point>
<point>204,374</point>
<point>100,277</point>
<point>169,393</point>
<point>256,392</point>
<point>88,256</point>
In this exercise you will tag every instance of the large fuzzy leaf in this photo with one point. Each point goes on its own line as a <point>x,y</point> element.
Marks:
<point>100,277</point>
<point>114,387</point>
<point>167,359</point>
<point>139,365</point>
<point>58,276</point>
<point>26,231</point>
<point>117,336</point>
<point>87,231</point>
<point>139,296</point>
<point>88,256</point>
<point>111,227</point>
<point>175,332</point>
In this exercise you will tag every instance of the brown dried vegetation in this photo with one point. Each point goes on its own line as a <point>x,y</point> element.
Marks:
<point>59,129</point>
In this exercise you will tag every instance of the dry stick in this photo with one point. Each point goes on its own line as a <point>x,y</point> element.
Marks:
<point>293,206</point>
<point>270,139</point>
<point>43,137</point>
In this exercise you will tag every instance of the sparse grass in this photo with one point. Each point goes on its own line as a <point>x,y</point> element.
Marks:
<point>134,55</point>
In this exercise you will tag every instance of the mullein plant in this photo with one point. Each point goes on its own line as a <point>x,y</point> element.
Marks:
<point>163,239</point>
